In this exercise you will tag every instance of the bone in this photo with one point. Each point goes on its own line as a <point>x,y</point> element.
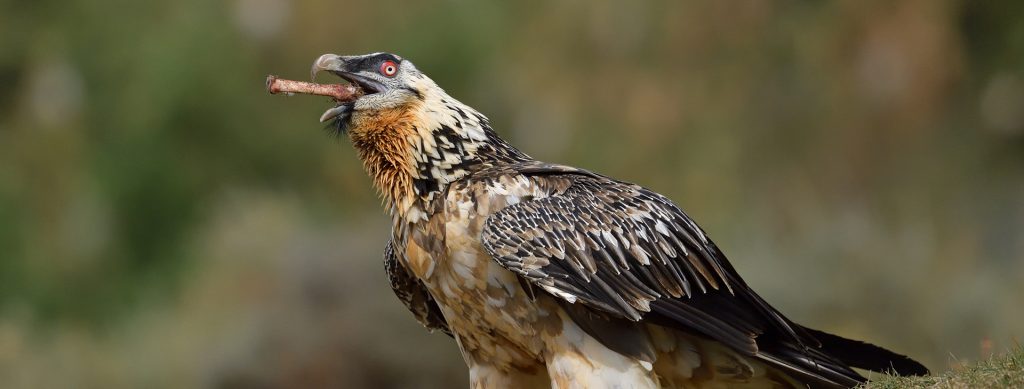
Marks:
<point>339,92</point>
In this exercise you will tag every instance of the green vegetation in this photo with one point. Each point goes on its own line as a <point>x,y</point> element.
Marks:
<point>998,372</point>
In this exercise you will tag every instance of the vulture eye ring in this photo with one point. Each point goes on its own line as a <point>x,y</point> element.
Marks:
<point>388,68</point>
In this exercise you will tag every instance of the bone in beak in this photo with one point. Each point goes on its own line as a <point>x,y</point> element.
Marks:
<point>340,92</point>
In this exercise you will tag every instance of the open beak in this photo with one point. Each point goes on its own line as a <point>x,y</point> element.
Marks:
<point>338,65</point>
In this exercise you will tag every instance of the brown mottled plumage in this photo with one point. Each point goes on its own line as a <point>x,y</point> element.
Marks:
<point>552,276</point>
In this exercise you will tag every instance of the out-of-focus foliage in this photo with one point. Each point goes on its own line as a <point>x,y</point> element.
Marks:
<point>166,223</point>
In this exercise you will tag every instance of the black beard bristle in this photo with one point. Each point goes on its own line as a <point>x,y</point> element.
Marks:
<point>338,127</point>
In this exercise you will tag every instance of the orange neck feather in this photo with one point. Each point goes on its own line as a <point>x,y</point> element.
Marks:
<point>382,139</point>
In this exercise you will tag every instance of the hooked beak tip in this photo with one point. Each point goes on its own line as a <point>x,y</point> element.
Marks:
<point>326,62</point>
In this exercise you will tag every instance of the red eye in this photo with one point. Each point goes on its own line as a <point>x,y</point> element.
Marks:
<point>388,68</point>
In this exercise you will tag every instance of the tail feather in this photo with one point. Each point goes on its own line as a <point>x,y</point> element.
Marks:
<point>865,355</point>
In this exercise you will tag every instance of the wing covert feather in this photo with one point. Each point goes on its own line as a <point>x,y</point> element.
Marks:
<point>606,243</point>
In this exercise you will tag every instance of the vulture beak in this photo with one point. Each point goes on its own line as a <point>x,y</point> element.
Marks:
<point>340,66</point>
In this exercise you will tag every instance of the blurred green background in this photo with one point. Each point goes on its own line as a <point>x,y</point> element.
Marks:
<point>165,223</point>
